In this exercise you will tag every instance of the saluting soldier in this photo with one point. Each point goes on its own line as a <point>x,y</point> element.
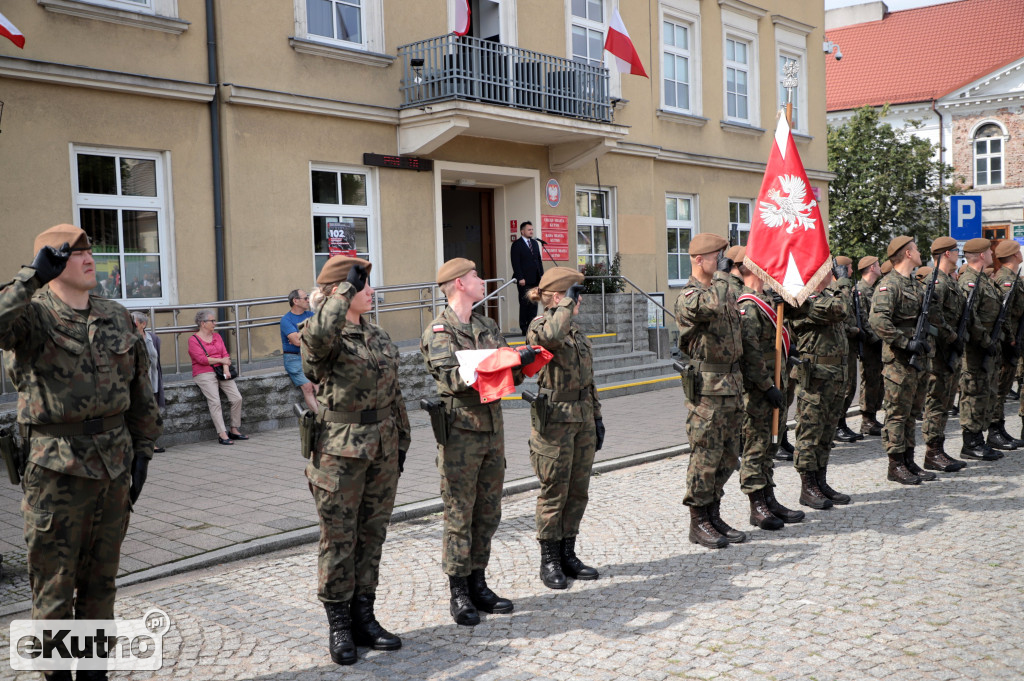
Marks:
<point>735,274</point>
<point>710,335</point>
<point>871,362</point>
<point>940,383</point>
<point>1007,281</point>
<point>89,415</point>
<point>820,328</point>
<point>853,335</point>
<point>472,460</point>
<point>977,378</point>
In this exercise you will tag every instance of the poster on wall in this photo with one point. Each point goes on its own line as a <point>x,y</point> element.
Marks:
<point>341,239</point>
<point>555,231</point>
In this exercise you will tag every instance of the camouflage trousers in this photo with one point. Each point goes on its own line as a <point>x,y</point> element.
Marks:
<point>901,389</point>
<point>871,389</point>
<point>819,401</point>
<point>940,388</point>
<point>976,392</point>
<point>714,447</point>
<point>851,379</point>
<point>73,529</point>
<point>1007,374</point>
<point>472,467</point>
<point>354,499</point>
<point>758,463</point>
<point>562,457</point>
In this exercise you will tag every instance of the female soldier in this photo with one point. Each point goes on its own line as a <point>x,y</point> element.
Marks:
<point>562,449</point>
<point>363,435</point>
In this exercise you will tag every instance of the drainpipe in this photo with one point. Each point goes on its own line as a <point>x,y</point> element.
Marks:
<point>215,147</point>
<point>942,150</point>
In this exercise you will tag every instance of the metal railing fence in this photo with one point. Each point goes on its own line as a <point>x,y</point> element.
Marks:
<point>632,308</point>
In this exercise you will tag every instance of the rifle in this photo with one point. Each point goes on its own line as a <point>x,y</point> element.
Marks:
<point>961,331</point>
<point>860,322</point>
<point>997,328</point>
<point>921,330</point>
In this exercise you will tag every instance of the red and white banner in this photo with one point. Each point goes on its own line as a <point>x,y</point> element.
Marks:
<point>787,247</point>
<point>770,314</point>
<point>11,32</point>
<point>461,17</point>
<point>619,44</point>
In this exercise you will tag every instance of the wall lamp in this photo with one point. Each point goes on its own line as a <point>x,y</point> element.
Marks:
<point>417,67</point>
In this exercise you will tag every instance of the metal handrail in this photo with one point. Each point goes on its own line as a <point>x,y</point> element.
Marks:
<point>632,308</point>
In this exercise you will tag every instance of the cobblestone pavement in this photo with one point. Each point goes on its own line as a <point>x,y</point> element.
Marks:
<point>906,583</point>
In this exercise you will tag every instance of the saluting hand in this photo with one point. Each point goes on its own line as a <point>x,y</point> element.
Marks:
<point>50,262</point>
<point>724,264</point>
<point>574,292</point>
<point>357,277</point>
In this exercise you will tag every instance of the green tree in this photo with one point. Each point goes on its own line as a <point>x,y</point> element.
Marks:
<point>888,183</point>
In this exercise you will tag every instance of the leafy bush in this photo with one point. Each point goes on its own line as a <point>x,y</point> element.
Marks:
<point>613,284</point>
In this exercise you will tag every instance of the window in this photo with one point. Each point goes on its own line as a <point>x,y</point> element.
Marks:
<point>784,60</point>
<point>340,20</point>
<point>350,30</point>
<point>121,204</point>
<point>739,221</point>
<point>737,77</point>
<point>593,230</point>
<point>343,195</point>
<point>588,31</point>
<point>676,65</point>
<point>988,155</point>
<point>682,227</point>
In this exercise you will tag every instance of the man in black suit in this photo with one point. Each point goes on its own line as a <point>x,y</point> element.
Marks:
<point>527,269</point>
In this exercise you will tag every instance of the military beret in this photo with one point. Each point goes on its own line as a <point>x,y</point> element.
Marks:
<point>897,243</point>
<point>942,244</point>
<point>977,245</point>
<point>736,253</point>
<point>702,244</point>
<point>455,268</point>
<point>560,279</point>
<point>843,260</point>
<point>923,273</point>
<point>1007,248</point>
<point>866,262</point>
<point>336,269</point>
<point>58,235</point>
<point>886,267</point>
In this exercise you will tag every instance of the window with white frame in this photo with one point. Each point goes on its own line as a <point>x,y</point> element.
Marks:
<point>676,39</point>
<point>784,60</point>
<point>336,20</point>
<point>681,222</point>
<point>343,195</point>
<point>988,155</point>
<point>739,221</point>
<point>121,203</point>
<point>587,31</point>
<point>595,228</point>
<point>737,80</point>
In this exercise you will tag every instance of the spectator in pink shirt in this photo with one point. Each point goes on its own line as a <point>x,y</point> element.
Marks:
<point>207,349</point>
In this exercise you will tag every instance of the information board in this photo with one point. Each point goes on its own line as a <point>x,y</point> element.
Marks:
<point>341,239</point>
<point>555,231</point>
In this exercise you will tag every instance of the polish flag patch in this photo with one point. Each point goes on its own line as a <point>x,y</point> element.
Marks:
<point>883,288</point>
<point>437,328</point>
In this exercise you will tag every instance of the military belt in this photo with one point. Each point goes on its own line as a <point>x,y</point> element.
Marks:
<point>366,417</point>
<point>717,368</point>
<point>830,360</point>
<point>87,427</point>
<point>453,401</point>
<point>565,395</point>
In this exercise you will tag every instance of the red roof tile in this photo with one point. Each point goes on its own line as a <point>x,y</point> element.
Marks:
<point>922,54</point>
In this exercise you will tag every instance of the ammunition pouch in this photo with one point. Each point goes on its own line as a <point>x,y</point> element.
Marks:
<point>691,380</point>
<point>540,409</point>
<point>440,422</point>
<point>14,455</point>
<point>309,432</point>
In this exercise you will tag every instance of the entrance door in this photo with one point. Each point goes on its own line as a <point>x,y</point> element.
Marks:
<point>467,220</point>
<point>996,234</point>
<point>485,20</point>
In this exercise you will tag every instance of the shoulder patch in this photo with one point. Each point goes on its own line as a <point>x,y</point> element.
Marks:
<point>883,288</point>
<point>970,284</point>
<point>438,328</point>
<point>1008,284</point>
<point>742,311</point>
<point>540,316</point>
<point>689,293</point>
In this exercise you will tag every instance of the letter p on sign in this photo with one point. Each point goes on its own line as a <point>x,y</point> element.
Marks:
<point>964,217</point>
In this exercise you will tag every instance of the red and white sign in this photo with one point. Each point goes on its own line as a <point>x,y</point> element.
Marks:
<point>555,231</point>
<point>619,44</point>
<point>553,193</point>
<point>11,32</point>
<point>341,239</point>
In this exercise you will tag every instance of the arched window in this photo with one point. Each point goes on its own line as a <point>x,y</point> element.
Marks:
<point>988,155</point>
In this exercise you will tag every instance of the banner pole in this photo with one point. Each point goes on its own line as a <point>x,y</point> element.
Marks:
<point>780,310</point>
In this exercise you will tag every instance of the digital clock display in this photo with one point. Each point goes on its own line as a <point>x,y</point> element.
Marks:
<point>400,162</point>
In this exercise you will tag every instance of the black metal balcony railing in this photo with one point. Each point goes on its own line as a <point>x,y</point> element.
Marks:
<point>462,67</point>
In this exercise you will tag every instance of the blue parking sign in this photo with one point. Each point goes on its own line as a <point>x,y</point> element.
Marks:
<point>964,217</point>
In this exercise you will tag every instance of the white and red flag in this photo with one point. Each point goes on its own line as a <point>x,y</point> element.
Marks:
<point>11,32</point>
<point>461,17</point>
<point>787,247</point>
<point>620,45</point>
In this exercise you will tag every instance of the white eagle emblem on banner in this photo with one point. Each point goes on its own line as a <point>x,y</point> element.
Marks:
<point>787,206</point>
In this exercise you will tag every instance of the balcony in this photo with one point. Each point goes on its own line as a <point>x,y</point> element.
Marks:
<point>461,85</point>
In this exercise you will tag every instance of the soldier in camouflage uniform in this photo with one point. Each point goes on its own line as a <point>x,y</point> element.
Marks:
<point>940,383</point>
<point>820,329</point>
<point>736,273</point>
<point>871,362</point>
<point>977,377</point>
<point>710,335</point>
<point>562,453</point>
<point>88,413</point>
<point>472,461</point>
<point>853,335</point>
<point>1008,282</point>
<point>362,437</point>
<point>758,324</point>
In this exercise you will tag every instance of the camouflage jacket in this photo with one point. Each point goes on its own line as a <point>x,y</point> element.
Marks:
<point>985,311</point>
<point>951,305</point>
<point>895,310</point>
<point>819,326</point>
<point>572,365</point>
<point>709,332</point>
<point>1005,280</point>
<point>356,366</point>
<point>736,285</point>
<point>864,300</point>
<point>442,338</point>
<point>758,344</point>
<point>68,369</point>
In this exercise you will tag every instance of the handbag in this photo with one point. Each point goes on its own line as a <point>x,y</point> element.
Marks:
<point>218,370</point>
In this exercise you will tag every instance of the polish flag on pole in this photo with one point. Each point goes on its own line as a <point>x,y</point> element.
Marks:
<point>620,45</point>
<point>787,247</point>
<point>461,17</point>
<point>11,32</point>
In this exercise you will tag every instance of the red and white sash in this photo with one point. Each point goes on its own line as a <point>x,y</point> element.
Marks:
<point>770,314</point>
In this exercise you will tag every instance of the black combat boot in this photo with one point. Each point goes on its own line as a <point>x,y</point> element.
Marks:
<point>908,461</point>
<point>485,599</point>
<point>974,447</point>
<point>810,495</point>
<point>997,440</point>
<point>551,564</point>
<point>1002,431</point>
<point>821,477</point>
<point>703,532</point>
<point>844,434</point>
<point>340,643</point>
<point>870,426</point>
<point>62,675</point>
<point>786,448</point>
<point>366,630</point>
<point>462,609</point>
<point>898,470</point>
<point>572,566</point>
<point>91,675</point>
<point>936,459</point>
<point>733,535</point>
<point>762,516</point>
<point>780,511</point>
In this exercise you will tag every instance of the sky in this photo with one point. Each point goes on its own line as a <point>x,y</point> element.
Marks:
<point>893,5</point>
